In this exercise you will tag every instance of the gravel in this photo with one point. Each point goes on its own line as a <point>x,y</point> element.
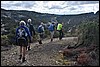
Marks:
<point>39,55</point>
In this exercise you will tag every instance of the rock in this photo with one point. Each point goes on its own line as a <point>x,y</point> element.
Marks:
<point>83,58</point>
<point>57,62</point>
<point>70,63</point>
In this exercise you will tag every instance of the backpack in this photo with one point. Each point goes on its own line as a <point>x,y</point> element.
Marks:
<point>22,33</point>
<point>51,27</point>
<point>40,29</point>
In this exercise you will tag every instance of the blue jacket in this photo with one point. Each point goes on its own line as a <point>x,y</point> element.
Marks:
<point>51,27</point>
<point>27,31</point>
<point>40,29</point>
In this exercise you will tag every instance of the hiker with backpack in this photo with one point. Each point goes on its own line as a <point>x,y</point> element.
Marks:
<point>31,29</point>
<point>60,30</point>
<point>41,32</point>
<point>51,28</point>
<point>22,35</point>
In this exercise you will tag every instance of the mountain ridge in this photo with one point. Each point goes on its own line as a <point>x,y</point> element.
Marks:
<point>50,14</point>
<point>13,17</point>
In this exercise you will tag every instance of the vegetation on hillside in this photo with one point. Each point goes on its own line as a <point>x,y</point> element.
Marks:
<point>86,51</point>
<point>88,32</point>
<point>11,18</point>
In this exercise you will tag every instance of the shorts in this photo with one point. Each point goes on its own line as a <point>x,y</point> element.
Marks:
<point>22,42</point>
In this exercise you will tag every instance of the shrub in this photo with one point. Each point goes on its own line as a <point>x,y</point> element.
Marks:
<point>4,40</point>
<point>90,33</point>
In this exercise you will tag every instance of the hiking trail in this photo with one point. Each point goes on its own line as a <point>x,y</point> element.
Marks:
<point>40,54</point>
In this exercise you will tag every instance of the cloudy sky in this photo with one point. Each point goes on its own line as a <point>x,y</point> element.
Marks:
<point>53,7</point>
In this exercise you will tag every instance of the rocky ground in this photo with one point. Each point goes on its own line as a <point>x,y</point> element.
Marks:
<point>46,54</point>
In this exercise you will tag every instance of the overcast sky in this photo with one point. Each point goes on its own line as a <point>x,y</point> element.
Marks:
<point>53,7</point>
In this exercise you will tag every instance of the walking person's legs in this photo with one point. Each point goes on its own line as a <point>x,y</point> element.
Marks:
<point>29,46</point>
<point>20,48</point>
<point>20,56</point>
<point>23,44</point>
<point>60,34</point>
<point>40,38</point>
<point>24,53</point>
<point>52,33</point>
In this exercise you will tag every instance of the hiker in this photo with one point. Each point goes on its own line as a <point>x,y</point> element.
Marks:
<point>51,28</point>
<point>31,29</point>
<point>22,35</point>
<point>60,30</point>
<point>41,32</point>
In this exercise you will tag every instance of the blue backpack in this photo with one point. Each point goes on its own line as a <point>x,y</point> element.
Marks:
<point>40,30</point>
<point>51,27</point>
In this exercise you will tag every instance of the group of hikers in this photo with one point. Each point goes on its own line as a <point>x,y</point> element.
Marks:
<point>26,31</point>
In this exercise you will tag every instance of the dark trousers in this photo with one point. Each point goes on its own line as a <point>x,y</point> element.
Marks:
<point>60,34</point>
<point>40,38</point>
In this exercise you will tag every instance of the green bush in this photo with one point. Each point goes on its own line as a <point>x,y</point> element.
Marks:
<point>4,40</point>
<point>47,33</point>
<point>56,34</point>
<point>90,33</point>
<point>4,37</point>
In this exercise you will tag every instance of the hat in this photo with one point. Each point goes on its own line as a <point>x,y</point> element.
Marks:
<point>22,22</point>
<point>29,20</point>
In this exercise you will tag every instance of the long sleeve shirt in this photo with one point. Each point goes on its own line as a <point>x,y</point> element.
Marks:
<point>26,29</point>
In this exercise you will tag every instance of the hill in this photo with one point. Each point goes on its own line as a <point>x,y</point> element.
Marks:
<point>11,18</point>
<point>80,51</point>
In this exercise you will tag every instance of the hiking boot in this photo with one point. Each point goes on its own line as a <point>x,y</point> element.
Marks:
<point>26,47</point>
<point>40,42</point>
<point>60,38</point>
<point>23,59</point>
<point>20,56</point>
<point>51,40</point>
<point>29,48</point>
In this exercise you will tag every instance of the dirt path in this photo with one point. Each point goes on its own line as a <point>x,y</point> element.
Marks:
<point>39,55</point>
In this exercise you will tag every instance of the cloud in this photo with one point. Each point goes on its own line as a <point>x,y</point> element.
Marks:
<point>81,2</point>
<point>56,7</point>
<point>28,4</point>
<point>89,2</point>
<point>53,7</point>
<point>23,4</point>
<point>73,8</point>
